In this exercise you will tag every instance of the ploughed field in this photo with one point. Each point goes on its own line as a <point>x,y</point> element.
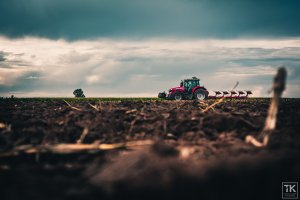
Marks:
<point>145,149</point>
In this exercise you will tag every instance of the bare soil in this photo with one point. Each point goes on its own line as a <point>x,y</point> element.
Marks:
<point>194,155</point>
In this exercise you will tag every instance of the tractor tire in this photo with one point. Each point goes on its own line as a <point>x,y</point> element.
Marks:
<point>177,96</point>
<point>200,94</point>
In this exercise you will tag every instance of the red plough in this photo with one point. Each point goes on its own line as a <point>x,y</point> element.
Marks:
<point>229,94</point>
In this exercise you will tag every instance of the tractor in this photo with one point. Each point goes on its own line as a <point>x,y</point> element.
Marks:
<point>188,89</point>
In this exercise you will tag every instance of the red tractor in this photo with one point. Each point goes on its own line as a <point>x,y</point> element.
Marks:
<point>188,89</point>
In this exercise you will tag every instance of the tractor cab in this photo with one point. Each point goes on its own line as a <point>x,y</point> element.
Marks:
<point>189,84</point>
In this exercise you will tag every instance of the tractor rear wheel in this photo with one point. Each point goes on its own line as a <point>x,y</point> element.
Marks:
<point>200,94</point>
<point>177,96</point>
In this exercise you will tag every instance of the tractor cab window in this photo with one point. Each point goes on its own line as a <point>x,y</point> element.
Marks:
<point>186,85</point>
<point>195,83</point>
<point>190,84</point>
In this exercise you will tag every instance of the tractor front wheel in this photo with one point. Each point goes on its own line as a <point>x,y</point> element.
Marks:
<point>177,96</point>
<point>200,94</point>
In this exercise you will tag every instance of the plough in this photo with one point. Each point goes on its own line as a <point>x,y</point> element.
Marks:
<point>229,94</point>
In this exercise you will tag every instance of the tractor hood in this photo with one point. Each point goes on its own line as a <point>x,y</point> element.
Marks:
<point>176,89</point>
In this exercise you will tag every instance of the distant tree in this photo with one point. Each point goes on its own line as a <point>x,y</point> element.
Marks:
<point>78,93</point>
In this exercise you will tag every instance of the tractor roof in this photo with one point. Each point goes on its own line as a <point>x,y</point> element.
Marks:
<point>193,78</point>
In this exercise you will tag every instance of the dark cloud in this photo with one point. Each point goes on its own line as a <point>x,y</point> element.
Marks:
<point>256,61</point>
<point>2,56</point>
<point>24,83</point>
<point>15,61</point>
<point>291,63</point>
<point>77,19</point>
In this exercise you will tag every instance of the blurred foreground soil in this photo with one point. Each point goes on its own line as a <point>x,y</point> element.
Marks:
<point>194,155</point>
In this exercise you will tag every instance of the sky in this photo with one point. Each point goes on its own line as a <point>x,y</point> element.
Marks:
<point>138,48</point>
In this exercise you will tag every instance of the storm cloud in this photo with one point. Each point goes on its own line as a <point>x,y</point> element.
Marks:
<point>78,19</point>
